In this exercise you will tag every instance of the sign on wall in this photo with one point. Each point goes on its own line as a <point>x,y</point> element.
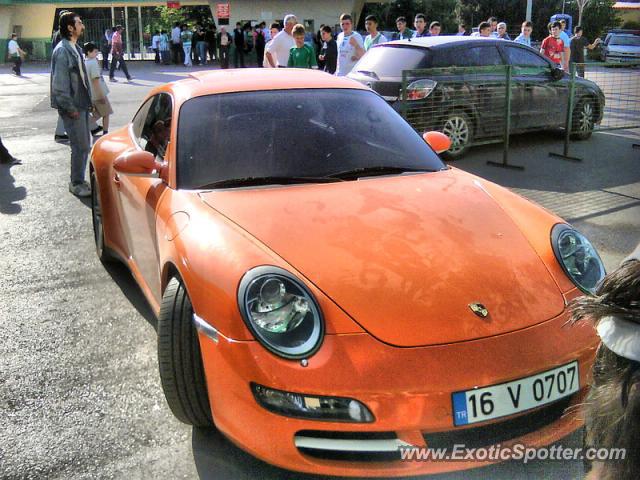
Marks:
<point>223,10</point>
<point>171,4</point>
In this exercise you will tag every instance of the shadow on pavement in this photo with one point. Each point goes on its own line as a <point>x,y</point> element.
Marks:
<point>552,174</point>
<point>123,278</point>
<point>9,193</point>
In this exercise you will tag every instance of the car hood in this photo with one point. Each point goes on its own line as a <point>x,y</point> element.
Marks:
<point>404,256</point>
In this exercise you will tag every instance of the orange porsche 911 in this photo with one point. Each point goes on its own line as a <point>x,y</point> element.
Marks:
<point>329,293</point>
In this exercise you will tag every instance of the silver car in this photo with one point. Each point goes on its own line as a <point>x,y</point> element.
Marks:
<point>621,48</point>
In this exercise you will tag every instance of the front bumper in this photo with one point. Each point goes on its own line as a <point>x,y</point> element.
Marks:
<point>408,390</point>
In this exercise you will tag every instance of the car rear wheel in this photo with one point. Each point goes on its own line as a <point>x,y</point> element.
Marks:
<point>104,254</point>
<point>584,118</point>
<point>458,127</point>
<point>180,360</point>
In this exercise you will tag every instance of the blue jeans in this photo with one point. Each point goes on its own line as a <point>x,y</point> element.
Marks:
<point>202,52</point>
<point>80,141</point>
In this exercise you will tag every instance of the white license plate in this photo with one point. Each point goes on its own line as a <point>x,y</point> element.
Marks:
<point>486,403</point>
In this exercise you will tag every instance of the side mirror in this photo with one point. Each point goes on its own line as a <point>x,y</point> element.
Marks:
<point>438,141</point>
<point>557,73</point>
<point>139,164</point>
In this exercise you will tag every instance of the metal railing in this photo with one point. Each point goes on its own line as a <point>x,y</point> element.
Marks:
<point>618,110</point>
<point>480,105</point>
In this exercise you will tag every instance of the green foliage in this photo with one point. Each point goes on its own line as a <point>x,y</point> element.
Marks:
<point>598,18</point>
<point>631,25</point>
<point>167,17</point>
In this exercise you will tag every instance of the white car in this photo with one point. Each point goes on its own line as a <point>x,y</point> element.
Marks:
<point>621,48</point>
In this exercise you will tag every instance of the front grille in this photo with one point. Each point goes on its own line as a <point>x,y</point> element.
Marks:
<point>369,449</point>
<point>496,433</point>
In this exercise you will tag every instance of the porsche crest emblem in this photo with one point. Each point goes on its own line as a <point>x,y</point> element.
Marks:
<point>479,309</point>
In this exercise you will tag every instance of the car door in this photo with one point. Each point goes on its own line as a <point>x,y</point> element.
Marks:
<point>483,89</point>
<point>538,101</point>
<point>140,195</point>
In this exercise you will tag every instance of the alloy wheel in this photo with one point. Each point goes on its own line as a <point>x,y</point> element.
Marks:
<point>457,129</point>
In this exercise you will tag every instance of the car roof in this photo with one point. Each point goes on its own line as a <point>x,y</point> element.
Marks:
<point>251,80</point>
<point>442,41</point>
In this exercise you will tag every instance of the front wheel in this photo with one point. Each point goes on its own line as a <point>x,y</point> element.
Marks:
<point>104,254</point>
<point>584,119</point>
<point>180,360</point>
<point>458,127</point>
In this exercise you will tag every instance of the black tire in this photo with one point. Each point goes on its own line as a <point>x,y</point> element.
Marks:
<point>180,360</point>
<point>583,119</point>
<point>457,125</point>
<point>104,254</point>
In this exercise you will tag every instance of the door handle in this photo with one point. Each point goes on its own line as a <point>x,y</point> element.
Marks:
<point>116,179</point>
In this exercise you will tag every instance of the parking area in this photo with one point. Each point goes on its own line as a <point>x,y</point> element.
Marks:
<point>80,394</point>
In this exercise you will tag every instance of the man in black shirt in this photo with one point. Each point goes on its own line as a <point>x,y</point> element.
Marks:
<point>578,44</point>
<point>238,42</point>
<point>329,52</point>
<point>210,38</point>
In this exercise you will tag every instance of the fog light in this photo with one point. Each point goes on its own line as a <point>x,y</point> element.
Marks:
<point>300,405</point>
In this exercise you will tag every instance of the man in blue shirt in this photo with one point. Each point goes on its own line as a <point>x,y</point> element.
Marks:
<point>525,36</point>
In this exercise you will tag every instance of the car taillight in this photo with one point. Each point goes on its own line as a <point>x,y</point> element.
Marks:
<point>420,89</point>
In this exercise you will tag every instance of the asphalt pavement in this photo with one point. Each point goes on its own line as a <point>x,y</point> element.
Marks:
<point>80,395</point>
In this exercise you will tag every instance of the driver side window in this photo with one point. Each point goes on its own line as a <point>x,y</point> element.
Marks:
<point>152,125</point>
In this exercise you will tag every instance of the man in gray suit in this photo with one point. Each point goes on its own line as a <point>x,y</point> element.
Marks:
<point>70,95</point>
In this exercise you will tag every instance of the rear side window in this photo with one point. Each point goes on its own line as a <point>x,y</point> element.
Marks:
<point>475,56</point>
<point>390,61</point>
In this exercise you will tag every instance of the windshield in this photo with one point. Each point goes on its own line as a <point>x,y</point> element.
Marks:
<point>391,60</point>
<point>620,40</point>
<point>293,133</point>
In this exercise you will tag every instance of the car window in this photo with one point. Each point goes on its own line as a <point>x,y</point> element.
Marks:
<point>525,60</point>
<point>625,40</point>
<point>294,133</point>
<point>139,119</point>
<point>390,60</point>
<point>154,135</point>
<point>469,56</point>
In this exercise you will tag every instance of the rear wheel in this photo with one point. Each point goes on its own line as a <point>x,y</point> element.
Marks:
<point>458,127</point>
<point>180,360</point>
<point>104,254</point>
<point>584,119</point>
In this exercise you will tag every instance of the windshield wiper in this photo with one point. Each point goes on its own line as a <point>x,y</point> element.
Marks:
<point>377,170</point>
<point>273,180</point>
<point>369,73</point>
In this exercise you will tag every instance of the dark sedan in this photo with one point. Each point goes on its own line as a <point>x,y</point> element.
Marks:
<point>468,104</point>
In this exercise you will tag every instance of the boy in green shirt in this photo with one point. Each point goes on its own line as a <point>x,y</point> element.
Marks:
<point>302,55</point>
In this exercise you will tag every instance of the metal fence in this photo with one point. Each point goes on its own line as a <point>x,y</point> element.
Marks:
<point>619,109</point>
<point>480,105</point>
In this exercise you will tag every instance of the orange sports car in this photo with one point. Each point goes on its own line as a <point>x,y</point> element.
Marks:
<point>329,293</point>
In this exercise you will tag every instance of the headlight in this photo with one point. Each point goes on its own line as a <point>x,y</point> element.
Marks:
<point>578,257</point>
<point>280,312</point>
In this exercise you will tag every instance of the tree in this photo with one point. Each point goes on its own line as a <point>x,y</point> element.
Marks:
<point>599,17</point>
<point>581,5</point>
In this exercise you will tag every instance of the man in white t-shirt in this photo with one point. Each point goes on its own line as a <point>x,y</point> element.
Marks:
<point>155,46</point>
<point>277,52</point>
<point>350,46</point>
<point>16,54</point>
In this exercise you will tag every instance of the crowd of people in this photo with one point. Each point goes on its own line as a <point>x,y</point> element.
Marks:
<point>81,98</point>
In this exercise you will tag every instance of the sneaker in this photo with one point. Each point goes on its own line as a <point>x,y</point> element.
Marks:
<point>81,189</point>
<point>96,130</point>
<point>130,79</point>
<point>113,80</point>
<point>61,138</point>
